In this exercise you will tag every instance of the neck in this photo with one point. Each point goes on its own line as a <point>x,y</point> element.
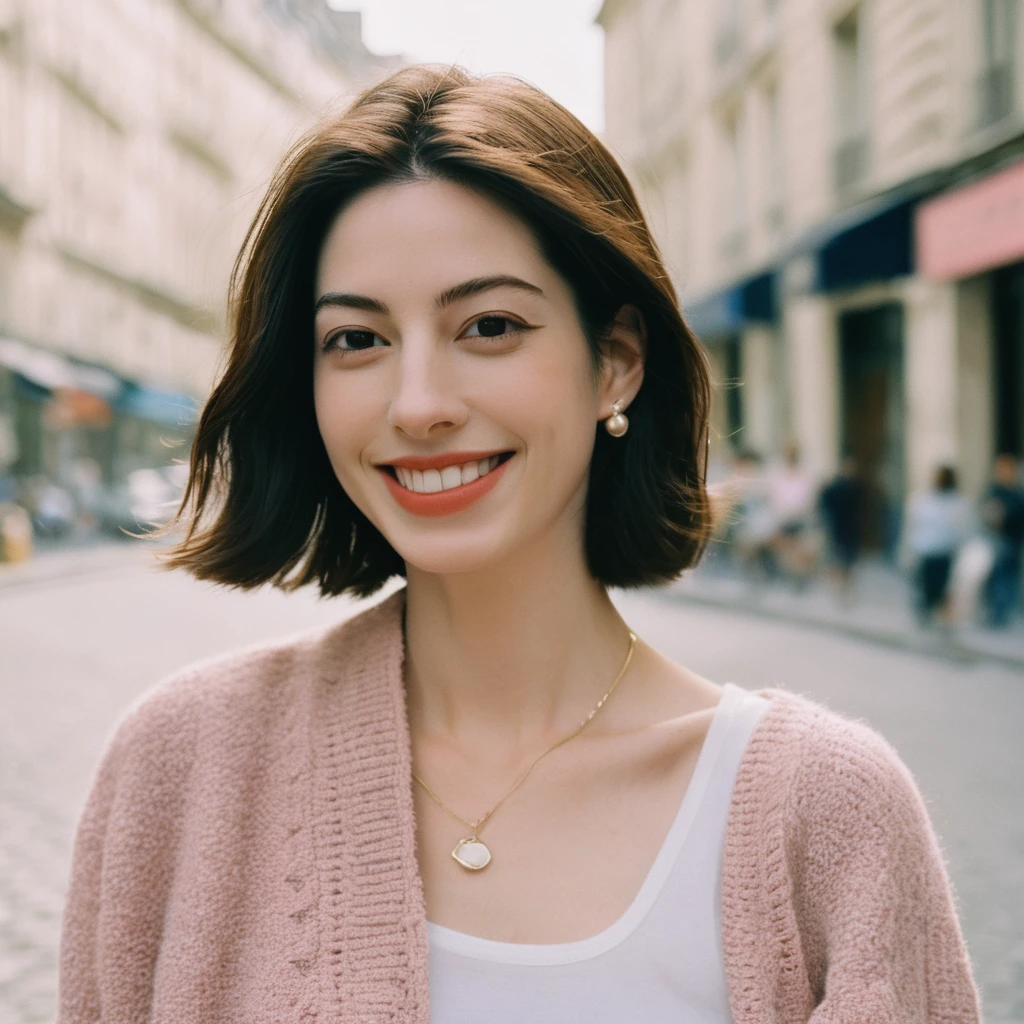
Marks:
<point>509,657</point>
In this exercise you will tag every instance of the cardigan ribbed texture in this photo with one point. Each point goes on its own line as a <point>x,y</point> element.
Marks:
<point>247,856</point>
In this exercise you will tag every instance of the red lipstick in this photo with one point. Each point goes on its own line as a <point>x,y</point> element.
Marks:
<point>442,503</point>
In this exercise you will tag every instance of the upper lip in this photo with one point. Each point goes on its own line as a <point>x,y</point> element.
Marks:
<point>422,462</point>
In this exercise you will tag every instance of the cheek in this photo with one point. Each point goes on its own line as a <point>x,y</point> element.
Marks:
<point>343,417</point>
<point>552,402</point>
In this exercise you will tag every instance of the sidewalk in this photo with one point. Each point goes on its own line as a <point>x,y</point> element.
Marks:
<point>59,563</point>
<point>880,611</point>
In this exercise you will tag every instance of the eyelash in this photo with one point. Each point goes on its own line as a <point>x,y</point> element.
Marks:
<point>514,326</point>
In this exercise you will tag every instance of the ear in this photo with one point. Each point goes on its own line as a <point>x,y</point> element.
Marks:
<point>623,354</point>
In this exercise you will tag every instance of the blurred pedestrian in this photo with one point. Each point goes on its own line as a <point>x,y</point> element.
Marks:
<point>791,494</point>
<point>938,521</point>
<point>841,503</point>
<point>753,523</point>
<point>86,486</point>
<point>52,508</point>
<point>1003,513</point>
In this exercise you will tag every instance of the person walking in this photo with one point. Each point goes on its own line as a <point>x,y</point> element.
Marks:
<point>1003,512</point>
<point>457,361</point>
<point>841,502</point>
<point>791,494</point>
<point>753,523</point>
<point>938,521</point>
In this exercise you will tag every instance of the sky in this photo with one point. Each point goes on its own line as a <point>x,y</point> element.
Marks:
<point>552,43</point>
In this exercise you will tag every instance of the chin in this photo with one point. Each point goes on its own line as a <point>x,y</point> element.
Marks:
<point>450,555</point>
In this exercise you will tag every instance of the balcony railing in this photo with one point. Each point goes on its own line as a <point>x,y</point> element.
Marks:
<point>851,162</point>
<point>995,94</point>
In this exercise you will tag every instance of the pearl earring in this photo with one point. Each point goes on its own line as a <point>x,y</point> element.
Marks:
<point>616,424</point>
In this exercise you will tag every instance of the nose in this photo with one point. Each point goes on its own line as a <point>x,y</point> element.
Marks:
<point>425,402</point>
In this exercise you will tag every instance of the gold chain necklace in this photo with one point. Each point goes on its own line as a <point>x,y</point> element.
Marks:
<point>471,852</point>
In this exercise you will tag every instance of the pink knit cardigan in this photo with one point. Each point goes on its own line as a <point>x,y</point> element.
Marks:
<point>247,856</point>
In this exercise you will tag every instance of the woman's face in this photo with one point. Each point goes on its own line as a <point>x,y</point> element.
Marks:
<point>453,383</point>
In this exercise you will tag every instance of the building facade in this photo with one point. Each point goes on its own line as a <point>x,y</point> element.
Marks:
<point>839,192</point>
<point>135,142</point>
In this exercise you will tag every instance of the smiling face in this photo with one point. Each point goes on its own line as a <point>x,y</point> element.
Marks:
<point>454,387</point>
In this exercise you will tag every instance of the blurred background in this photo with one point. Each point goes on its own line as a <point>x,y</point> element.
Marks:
<point>838,190</point>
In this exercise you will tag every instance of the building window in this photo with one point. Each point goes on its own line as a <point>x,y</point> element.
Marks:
<point>997,81</point>
<point>852,153</point>
<point>774,159</point>
<point>728,35</point>
<point>677,235</point>
<point>733,198</point>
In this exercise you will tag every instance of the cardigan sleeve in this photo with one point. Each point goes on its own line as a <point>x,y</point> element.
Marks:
<point>878,919</point>
<point>123,865</point>
<point>79,996</point>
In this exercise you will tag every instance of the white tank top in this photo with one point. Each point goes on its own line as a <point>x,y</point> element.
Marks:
<point>660,962</point>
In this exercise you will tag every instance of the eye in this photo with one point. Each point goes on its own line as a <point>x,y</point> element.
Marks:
<point>493,327</point>
<point>352,339</point>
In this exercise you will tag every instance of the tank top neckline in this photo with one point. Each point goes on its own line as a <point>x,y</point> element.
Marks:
<point>541,954</point>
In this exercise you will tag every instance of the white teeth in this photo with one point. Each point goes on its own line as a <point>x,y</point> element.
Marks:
<point>451,476</point>
<point>430,481</point>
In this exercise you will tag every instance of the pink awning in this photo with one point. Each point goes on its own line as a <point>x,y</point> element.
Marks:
<point>974,228</point>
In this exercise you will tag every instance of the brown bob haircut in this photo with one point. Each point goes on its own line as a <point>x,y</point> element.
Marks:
<point>263,503</point>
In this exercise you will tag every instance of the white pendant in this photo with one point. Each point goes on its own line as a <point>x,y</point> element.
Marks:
<point>472,854</point>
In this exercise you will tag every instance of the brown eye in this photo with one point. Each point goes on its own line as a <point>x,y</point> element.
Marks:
<point>493,327</point>
<point>352,340</point>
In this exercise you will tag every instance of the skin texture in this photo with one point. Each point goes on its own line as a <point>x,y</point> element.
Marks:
<point>510,642</point>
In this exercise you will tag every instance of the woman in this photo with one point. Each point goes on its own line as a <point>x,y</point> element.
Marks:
<point>457,358</point>
<point>938,522</point>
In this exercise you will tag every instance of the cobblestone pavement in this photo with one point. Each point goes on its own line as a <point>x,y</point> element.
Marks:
<point>76,652</point>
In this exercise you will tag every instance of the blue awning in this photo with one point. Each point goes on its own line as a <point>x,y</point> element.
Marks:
<point>747,302</point>
<point>165,408</point>
<point>873,241</point>
<point>48,371</point>
<point>875,250</point>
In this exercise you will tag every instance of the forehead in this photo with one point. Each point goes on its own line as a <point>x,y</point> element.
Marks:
<point>425,235</point>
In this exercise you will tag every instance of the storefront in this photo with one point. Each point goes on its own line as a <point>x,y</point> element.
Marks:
<point>853,331</point>
<point>72,433</point>
<point>872,400</point>
<point>739,327</point>
<point>62,410</point>
<point>972,237</point>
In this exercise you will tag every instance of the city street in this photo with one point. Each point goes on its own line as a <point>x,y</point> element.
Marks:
<point>75,651</point>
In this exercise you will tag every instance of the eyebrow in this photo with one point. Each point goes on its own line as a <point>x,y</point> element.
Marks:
<point>456,293</point>
<point>483,284</point>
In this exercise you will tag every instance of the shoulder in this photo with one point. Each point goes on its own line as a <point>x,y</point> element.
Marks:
<point>250,686</point>
<point>834,884</point>
<point>824,811</point>
<point>810,743</point>
<point>830,776</point>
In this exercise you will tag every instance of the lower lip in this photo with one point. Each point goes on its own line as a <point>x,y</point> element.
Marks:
<point>444,503</point>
